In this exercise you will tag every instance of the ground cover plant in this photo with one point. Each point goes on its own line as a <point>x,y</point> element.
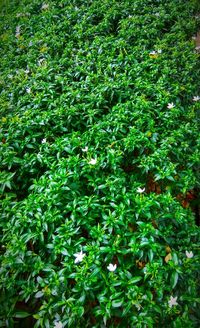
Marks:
<point>99,156</point>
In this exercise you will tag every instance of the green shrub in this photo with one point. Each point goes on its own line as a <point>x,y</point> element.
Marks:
<point>99,164</point>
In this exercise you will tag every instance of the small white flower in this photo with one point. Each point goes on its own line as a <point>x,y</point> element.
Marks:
<point>159,51</point>
<point>170,105</point>
<point>58,324</point>
<point>45,6</point>
<point>28,90</point>
<point>196,98</point>
<point>85,149</point>
<point>27,71</point>
<point>112,267</point>
<point>44,140</point>
<point>40,61</point>
<point>145,270</point>
<point>93,161</point>
<point>17,29</point>
<point>189,254</point>
<point>153,53</point>
<point>140,190</point>
<point>172,301</point>
<point>144,297</point>
<point>79,257</point>
<point>138,306</point>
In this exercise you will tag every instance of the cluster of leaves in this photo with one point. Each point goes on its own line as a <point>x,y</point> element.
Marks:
<point>97,103</point>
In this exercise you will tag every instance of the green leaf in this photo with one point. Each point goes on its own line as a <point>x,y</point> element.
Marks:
<point>126,309</point>
<point>64,251</point>
<point>157,309</point>
<point>39,294</point>
<point>117,303</point>
<point>150,255</point>
<point>175,258</point>
<point>134,280</point>
<point>21,314</point>
<point>80,311</point>
<point>94,272</point>
<point>36,316</point>
<point>46,323</point>
<point>174,279</point>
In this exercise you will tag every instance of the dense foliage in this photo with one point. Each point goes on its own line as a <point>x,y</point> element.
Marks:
<point>99,164</point>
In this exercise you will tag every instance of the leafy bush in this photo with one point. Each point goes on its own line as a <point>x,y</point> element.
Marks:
<point>99,164</point>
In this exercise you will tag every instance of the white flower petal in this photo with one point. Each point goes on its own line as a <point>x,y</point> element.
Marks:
<point>153,52</point>
<point>196,98</point>
<point>58,325</point>
<point>172,301</point>
<point>170,105</point>
<point>140,190</point>
<point>112,267</point>
<point>189,254</point>
<point>79,257</point>
<point>93,161</point>
<point>45,6</point>
<point>18,29</point>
